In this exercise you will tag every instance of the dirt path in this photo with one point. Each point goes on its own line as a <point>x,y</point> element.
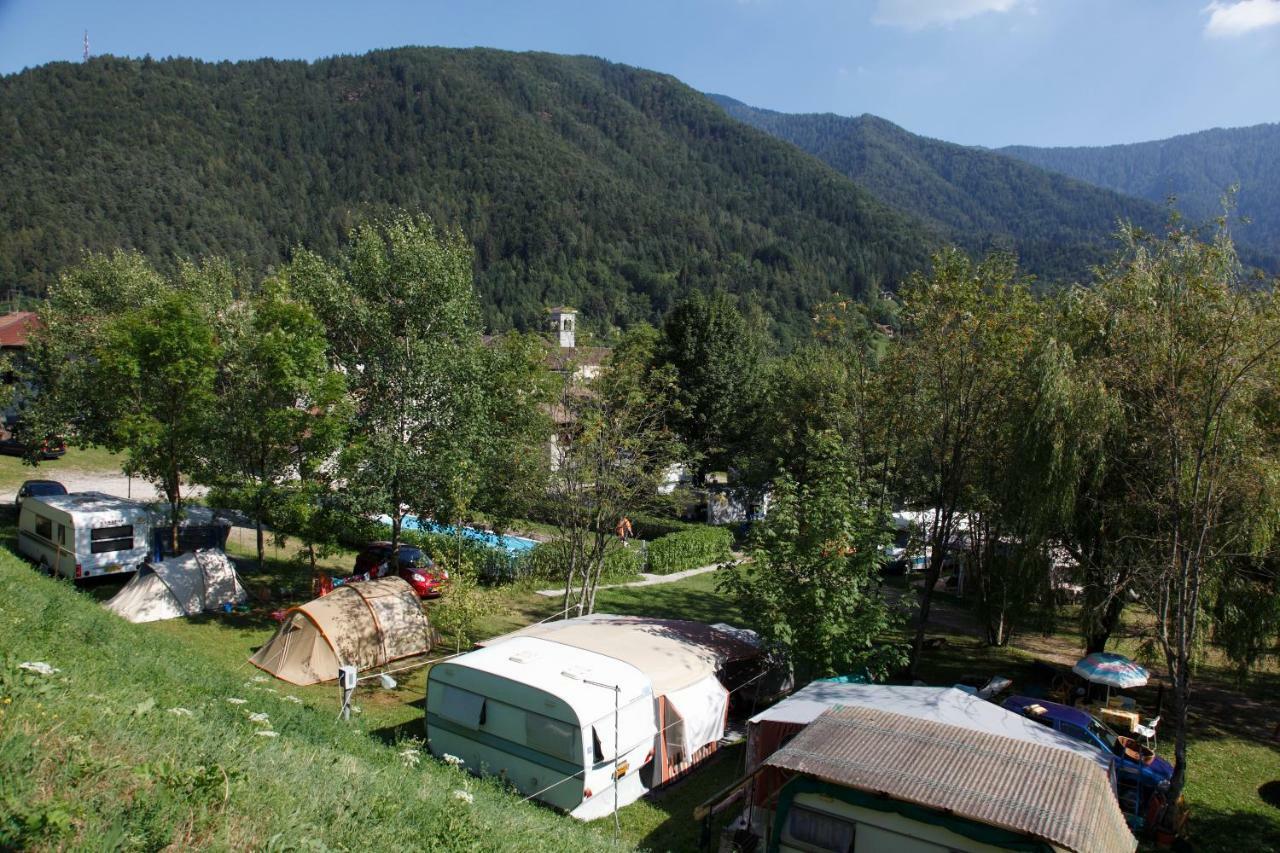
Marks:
<point>648,580</point>
<point>112,483</point>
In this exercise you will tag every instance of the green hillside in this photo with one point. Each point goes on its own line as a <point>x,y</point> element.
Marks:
<point>1196,169</point>
<point>580,181</point>
<point>142,742</point>
<point>1058,226</point>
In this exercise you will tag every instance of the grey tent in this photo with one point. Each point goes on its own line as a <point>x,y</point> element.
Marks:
<point>179,586</point>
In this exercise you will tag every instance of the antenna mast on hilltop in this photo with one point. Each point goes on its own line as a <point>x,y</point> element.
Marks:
<point>86,45</point>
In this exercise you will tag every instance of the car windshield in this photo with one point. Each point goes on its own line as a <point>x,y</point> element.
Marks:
<point>1104,732</point>
<point>411,556</point>
<point>46,489</point>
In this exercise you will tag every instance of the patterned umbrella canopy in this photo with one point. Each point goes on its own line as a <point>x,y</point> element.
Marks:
<point>1111,669</point>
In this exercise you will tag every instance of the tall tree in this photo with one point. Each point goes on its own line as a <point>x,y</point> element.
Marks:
<point>1194,356</point>
<point>812,588</point>
<point>716,353</point>
<point>281,406</point>
<point>154,372</point>
<point>403,326</point>
<point>967,329</point>
<point>612,450</point>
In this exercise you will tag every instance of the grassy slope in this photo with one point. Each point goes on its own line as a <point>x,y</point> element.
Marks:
<point>94,753</point>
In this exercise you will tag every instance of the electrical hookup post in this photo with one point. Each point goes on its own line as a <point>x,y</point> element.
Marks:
<point>347,683</point>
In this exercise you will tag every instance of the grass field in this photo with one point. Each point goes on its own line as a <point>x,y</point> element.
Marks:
<point>278,790</point>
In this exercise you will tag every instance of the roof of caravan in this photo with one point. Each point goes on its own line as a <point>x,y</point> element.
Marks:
<point>561,671</point>
<point>939,704</point>
<point>96,504</point>
<point>1026,788</point>
<point>673,653</point>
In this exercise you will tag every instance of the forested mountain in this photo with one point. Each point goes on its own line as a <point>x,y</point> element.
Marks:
<point>979,199</point>
<point>579,180</point>
<point>1196,169</point>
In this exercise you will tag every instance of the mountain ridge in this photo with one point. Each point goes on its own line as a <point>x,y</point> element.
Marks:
<point>578,180</point>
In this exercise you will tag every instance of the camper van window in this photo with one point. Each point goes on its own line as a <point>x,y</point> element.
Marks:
<point>550,736</point>
<point>818,831</point>
<point>106,539</point>
<point>44,528</point>
<point>462,706</point>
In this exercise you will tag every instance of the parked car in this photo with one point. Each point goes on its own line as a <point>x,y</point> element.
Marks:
<point>1131,757</point>
<point>374,561</point>
<point>38,489</point>
<point>51,448</point>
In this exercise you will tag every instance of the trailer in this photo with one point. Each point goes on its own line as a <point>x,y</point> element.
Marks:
<point>84,535</point>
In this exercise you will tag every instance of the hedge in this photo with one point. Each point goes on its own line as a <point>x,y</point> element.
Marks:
<point>690,549</point>
<point>654,527</point>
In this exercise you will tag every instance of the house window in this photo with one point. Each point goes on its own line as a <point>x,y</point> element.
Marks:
<point>819,831</point>
<point>44,528</point>
<point>103,540</point>
<point>462,707</point>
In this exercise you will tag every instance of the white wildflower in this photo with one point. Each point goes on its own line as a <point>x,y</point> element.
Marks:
<point>260,717</point>
<point>181,712</point>
<point>261,679</point>
<point>39,667</point>
<point>266,733</point>
<point>411,756</point>
<point>465,796</point>
<point>453,760</point>
<point>237,701</point>
<point>293,699</point>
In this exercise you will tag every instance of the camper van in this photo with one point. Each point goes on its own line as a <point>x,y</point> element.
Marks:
<point>83,535</point>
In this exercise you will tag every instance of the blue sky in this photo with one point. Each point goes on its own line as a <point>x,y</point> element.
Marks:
<point>988,72</point>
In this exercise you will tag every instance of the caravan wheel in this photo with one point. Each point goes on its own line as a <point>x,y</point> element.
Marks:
<point>45,568</point>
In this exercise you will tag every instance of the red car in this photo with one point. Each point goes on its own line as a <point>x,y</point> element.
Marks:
<point>411,564</point>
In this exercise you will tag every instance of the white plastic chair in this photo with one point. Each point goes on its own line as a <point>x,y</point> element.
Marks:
<point>1147,732</point>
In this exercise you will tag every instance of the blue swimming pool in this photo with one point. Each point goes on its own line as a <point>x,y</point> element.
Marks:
<point>511,544</point>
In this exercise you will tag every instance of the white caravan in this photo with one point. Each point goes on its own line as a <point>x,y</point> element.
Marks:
<point>87,534</point>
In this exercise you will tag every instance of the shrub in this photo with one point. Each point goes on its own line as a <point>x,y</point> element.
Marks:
<point>689,549</point>
<point>655,527</point>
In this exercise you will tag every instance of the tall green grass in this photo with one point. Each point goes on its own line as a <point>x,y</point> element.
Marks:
<point>134,743</point>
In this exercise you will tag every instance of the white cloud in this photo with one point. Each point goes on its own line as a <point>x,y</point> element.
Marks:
<point>1244,16</point>
<point>918,14</point>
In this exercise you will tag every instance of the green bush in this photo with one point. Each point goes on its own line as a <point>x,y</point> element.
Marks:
<point>689,549</point>
<point>547,562</point>
<point>655,527</point>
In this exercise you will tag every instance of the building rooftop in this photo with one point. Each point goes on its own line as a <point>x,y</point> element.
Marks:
<point>17,327</point>
<point>1049,794</point>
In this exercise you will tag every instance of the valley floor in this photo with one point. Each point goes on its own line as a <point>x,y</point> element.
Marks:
<point>106,748</point>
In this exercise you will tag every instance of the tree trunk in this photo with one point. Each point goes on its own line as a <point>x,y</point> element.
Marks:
<point>1100,629</point>
<point>262,548</point>
<point>175,513</point>
<point>932,573</point>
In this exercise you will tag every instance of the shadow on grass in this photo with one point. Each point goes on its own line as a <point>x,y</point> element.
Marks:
<point>668,813</point>
<point>695,599</point>
<point>1213,830</point>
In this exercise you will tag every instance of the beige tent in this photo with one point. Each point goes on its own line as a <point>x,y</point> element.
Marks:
<point>358,624</point>
<point>179,586</point>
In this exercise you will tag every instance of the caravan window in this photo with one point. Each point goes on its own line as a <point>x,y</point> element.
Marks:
<point>551,737</point>
<point>105,539</point>
<point>818,831</point>
<point>44,528</point>
<point>461,706</point>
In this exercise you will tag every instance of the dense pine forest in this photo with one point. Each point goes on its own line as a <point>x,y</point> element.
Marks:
<point>1059,227</point>
<point>578,180</point>
<point>1195,169</point>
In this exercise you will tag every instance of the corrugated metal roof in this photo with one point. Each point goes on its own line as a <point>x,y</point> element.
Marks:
<point>1047,793</point>
<point>938,704</point>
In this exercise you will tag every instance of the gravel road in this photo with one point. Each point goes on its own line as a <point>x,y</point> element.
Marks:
<point>99,481</point>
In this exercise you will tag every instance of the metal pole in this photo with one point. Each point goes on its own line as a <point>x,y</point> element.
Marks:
<point>617,826</point>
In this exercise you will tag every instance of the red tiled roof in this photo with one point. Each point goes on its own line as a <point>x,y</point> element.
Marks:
<point>16,327</point>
